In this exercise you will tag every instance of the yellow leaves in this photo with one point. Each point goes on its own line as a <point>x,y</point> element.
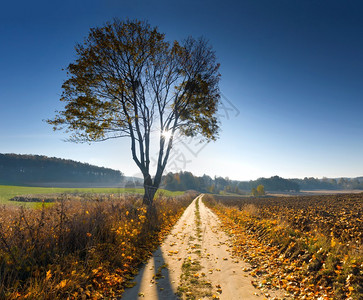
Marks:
<point>62,284</point>
<point>119,242</point>
<point>172,252</point>
<point>219,288</point>
<point>48,275</point>
<point>307,242</point>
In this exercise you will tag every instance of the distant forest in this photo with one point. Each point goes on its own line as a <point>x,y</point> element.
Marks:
<point>312,183</point>
<point>50,171</point>
<point>187,181</point>
<point>36,170</point>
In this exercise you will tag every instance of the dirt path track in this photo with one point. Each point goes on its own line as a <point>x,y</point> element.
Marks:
<point>195,260</point>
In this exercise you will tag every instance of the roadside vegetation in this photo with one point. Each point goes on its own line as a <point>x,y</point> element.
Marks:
<point>80,248</point>
<point>311,246</point>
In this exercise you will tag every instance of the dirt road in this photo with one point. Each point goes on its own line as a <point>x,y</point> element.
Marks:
<point>194,262</point>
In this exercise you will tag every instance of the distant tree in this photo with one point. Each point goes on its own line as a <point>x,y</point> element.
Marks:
<point>260,190</point>
<point>128,81</point>
<point>354,183</point>
<point>276,183</point>
<point>170,182</point>
<point>188,180</point>
<point>220,183</point>
<point>205,182</point>
<point>254,192</point>
<point>227,188</point>
<point>343,183</point>
<point>333,182</point>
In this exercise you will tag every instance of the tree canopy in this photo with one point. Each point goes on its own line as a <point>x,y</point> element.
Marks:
<point>129,81</point>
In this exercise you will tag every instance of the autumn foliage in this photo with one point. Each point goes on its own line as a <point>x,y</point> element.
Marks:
<point>80,248</point>
<point>310,246</point>
<point>129,81</point>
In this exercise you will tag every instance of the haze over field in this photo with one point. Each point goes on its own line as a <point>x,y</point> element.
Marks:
<point>292,83</point>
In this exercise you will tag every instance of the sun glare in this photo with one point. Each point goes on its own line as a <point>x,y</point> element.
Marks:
<point>166,134</point>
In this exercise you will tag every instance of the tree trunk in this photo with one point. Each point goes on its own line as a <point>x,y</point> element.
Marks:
<point>149,190</point>
<point>151,213</point>
<point>149,193</point>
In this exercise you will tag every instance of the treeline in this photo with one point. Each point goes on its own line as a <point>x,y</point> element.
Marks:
<point>42,170</point>
<point>312,183</point>
<point>187,181</point>
<point>184,181</point>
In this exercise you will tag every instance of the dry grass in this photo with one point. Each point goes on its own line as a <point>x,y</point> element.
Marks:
<point>78,248</point>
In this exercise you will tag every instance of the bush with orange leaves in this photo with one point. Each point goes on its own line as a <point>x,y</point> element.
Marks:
<point>79,249</point>
<point>311,246</point>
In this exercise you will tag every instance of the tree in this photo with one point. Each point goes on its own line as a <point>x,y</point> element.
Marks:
<point>128,81</point>
<point>260,190</point>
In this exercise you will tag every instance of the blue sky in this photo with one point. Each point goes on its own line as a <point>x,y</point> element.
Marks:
<point>292,72</point>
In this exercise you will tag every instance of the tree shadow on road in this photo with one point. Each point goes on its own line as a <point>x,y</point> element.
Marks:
<point>164,286</point>
<point>158,285</point>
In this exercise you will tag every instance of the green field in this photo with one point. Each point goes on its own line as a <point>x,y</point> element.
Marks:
<point>7,192</point>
